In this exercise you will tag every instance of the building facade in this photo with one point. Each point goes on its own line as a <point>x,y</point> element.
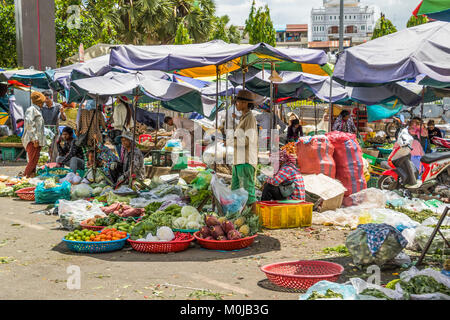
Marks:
<point>292,35</point>
<point>359,22</point>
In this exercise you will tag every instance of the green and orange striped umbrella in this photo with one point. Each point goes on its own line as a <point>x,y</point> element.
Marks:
<point>434,9</point>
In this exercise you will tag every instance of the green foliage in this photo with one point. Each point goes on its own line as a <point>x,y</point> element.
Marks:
<point>383,27</point>
<point>182,36</point>
<point>8,55</point>
<point>413,21</point>
<point>220,30</point>
<point>259,26</point>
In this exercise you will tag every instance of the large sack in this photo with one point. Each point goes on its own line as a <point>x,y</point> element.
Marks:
<point>315,155</point>
<point>349,161</point>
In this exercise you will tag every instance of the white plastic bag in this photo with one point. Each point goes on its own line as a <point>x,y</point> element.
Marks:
<point>423,233</point>
<point>439,277</point>
<point>81,191</point>
<point>71,213</point>
<point>231,201</point>
<point>369,198</point>
<point>410,235</point>
<point>360,285</point>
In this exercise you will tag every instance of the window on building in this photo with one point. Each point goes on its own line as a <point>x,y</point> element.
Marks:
<point>370,28</point>
<point>354,17</point>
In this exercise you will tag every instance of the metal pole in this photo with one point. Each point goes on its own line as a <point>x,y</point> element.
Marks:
<point>133,143</point>
<point>244,66</point>
<point>341,26</point>
<point>421,117</point>
<point>157,123</point>
<point>330,110</point>
<point>271,108</point>
<point>315,118</point>
<point>30,93</point>
<point>94,167</point>
<point>217,121</point>
<point>226,104</point>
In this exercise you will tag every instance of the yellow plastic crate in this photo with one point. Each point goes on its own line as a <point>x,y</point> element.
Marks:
<point>275,215</point>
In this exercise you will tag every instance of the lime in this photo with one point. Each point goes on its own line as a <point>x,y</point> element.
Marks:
<point>71,238</point>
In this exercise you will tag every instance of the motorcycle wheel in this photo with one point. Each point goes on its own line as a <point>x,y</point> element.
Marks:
<point>387,183</point>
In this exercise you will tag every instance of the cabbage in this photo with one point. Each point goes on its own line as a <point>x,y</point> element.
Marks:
<point>150,237</point>
<point>97,191</point>
<point>186,211</point>
<point>192,225</point>
<point>165,234</point>
<point>179,223</point>
<point>195,217</point>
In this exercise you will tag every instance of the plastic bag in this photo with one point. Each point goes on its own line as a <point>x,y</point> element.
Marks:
<point>231,201</point>
<point>140,202</point>
<point>398,220</point>
<point>51,195</point>
<point>72,178</point>
<point>348,291</point>
<point>81,191</point>
<point>401,259</point>
<point>360,285</point>
<point>423,233</point>
<point>410,235</point>
<point>439,277</point>
<point>72,213</point>
<point>369,198</point>
<point>356,244</point>
<point>202,180</point>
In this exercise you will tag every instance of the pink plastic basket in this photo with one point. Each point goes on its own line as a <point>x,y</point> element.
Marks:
<point>303,274</point>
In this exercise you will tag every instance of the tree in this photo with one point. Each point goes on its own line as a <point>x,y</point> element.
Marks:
<point>383,27</point>
<point>182,36</point>
<point>221,31</point>
<point>413,21</point>
<point>8,55</point>
<point>259,26</point>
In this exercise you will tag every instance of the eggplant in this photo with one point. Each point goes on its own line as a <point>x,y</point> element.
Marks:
<point>216,231</point>
<point>211,221</point>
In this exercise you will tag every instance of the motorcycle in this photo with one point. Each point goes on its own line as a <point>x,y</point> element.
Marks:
<point>436,168</point>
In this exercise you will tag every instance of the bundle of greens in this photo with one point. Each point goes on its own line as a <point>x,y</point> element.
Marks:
<point>329,294</point>
<point>421,285</point>
<point>375,293</point>
<point>11,139</point>
<point>198,196</point>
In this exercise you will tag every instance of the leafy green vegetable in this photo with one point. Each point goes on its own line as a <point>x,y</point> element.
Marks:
<point>11,139</point>
<point>339,249</point>
<point>197,197</point>
<point>328,294</point>
<point>375,293</point>
<point>152,207</point>
<point>421,285</point>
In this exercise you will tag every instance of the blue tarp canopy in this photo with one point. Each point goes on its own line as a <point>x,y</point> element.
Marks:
<point>28,77</point>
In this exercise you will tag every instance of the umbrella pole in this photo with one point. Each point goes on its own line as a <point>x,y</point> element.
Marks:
<point>30,93</point>
<point>94,166</point>
<point>272,113</point>
<point>217,122</point>
<point>421,116</point>
<point>244,66</point>
<point>330,110</point>
<point>157,123</point>
<point>315,118</point>
<point>133,143</point>
<point>226,103</point>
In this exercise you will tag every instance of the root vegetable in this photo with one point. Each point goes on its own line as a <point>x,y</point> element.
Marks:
<point>211,221</point>
<point>205,231</point>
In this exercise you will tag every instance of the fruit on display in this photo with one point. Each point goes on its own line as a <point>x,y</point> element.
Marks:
<point>290,148</point>
<point>93,236</point>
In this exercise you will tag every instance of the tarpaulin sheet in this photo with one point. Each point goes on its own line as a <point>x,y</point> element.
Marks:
<point>209,54</point>
<point>408,53</point>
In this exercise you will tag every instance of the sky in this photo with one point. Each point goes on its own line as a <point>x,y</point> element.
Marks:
<point>299,11</point>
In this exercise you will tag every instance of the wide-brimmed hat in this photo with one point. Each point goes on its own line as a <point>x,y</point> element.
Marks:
<point>37,98</point>
<point>127,135</point>
<point>245,95</point>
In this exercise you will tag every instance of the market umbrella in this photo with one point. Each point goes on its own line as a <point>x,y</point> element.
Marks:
<point>32,77</point>
<point>421,52</point>
<point>434,9</point>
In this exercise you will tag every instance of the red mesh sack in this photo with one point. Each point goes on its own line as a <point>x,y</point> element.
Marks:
<point>349,161</point>
<point>315,155</point>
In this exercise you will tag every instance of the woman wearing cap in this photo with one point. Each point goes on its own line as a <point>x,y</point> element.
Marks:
<point>33,137</point>
<point>288,173</point>
<point>121,120</point>
<point>245,147</point>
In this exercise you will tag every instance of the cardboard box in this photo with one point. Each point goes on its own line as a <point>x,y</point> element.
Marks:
<point>371,152</point>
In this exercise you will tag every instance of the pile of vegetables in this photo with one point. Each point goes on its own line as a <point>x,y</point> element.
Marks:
<point>11,139</point>
<point>418,216</point>
<point>190,219</point>
<point>152,207</point>
<point>151,222</point>
<point>123,210</point>
<point>95,221</point>
<point>198,196</point>
<point>22,185</point>
<point>165,189</point>
<point>375,293</point>
<point>50,183</point>
<point>112,198</point>
<point>7,192</point>
<point>421,285</point>
<point>162,234</point>
<point>246,222</point>
<point>329,294</point>
<point>219,229</point>
<point>290,148</point>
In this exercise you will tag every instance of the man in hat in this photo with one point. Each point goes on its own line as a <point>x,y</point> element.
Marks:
<point>138,159</point>
<point>245,147</point>
<point>33,138</point>
<point>52,112</point>
<point>122,119</point>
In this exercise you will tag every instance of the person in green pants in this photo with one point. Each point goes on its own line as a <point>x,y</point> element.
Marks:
<point>245,147</point>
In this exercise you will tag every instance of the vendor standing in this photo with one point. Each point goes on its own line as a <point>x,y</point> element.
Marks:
<point>52,112</point>
<point>344,123</point>
<point>121,120</point>
<point>245,147</point>
<point>288,174</point>
<point>33,138</point>
<point>69,154</point>
<point>138,159</point>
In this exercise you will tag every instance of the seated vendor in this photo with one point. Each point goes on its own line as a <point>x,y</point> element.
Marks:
<point>138,158</point>
<point>288,172</point>
<point>109,161</point>
<point>295,131</point>
<point>68,152</point>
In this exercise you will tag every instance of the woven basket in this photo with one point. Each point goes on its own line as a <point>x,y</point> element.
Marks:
<point>26,194</point>
<point>225,244</point>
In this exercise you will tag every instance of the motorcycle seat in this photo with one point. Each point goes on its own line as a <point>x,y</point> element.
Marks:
<point>435,156</point>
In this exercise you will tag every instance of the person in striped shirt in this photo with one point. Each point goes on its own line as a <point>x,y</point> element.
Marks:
<point>288,172</point>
